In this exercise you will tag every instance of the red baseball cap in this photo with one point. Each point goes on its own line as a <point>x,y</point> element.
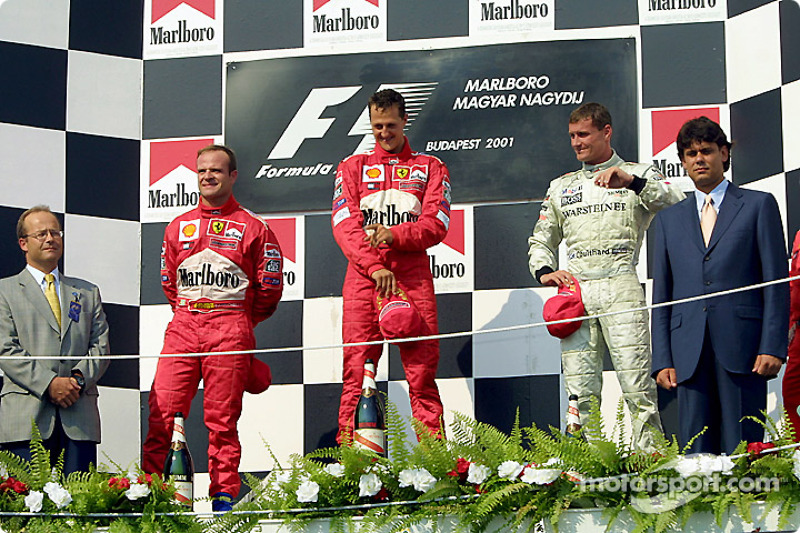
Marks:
<point>260,377</point>
<point>398,317</point>
<point>566,304</point>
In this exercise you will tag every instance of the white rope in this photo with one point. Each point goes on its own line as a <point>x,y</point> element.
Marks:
<point>268,512</point>
<point>412,339</point>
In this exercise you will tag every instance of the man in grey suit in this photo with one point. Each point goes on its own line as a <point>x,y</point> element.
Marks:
<point>44,313</point>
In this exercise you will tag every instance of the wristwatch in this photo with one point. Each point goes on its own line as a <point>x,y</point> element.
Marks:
<point>78,377</point>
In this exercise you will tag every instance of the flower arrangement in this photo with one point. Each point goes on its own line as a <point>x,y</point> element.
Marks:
<point>479,474</point>
<point>35,497</point>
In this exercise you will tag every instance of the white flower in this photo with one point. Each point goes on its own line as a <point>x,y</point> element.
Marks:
<point>539,476</point>
<point>477,474</point>
<point>380,468</point>
<point>509,470</point>
<point>3,470</point>
<point>709,464</point>
<point>725,464</point>
<point>552,461</point>
<point>278,478</point>
<point>703,465</point>
<point>687,466</point>
<point>406,477</point>
<point>335,469</point>
<point>33,501</point>
<point>58,494</point>
<point>420,478</point>
<point>369,485</point>
<point>137,490</point>
<point>307,492</point>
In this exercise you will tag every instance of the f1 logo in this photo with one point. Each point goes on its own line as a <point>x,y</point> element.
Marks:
<point>307,123</point>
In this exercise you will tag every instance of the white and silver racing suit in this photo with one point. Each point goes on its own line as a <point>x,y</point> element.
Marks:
<point>603,231</point>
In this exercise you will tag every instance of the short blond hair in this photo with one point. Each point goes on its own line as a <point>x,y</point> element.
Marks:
<point>26,214</point>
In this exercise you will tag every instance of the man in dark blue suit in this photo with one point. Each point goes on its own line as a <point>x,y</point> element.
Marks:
<point>718,352</point>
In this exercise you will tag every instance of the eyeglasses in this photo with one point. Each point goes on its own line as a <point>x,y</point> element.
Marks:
<point>41,236</point>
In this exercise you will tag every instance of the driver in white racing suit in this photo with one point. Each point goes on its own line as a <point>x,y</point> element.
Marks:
<point>601,212</point>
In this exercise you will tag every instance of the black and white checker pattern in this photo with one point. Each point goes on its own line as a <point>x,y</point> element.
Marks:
<point>88,93</point>
<point>70,127</point>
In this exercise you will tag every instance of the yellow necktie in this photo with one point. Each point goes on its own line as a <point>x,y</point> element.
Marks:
<point>708,217</point>
<point>52,297</point>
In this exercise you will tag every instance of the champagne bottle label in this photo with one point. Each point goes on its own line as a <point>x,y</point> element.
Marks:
<point>183,491</point>
<point>370,439</point>
<point>178,433</point>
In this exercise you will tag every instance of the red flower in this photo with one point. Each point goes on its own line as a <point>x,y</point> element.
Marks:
<point>146,478</point>
<point>381,496</point>
<point>461,471</point>
<point>757,448</point>
<point>119,483</point>
<point>479,490</point>
<point>14,485</point>
<point>18,486</point>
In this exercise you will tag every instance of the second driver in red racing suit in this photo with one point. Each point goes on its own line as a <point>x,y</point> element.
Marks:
<point>221,270</point>
<point>389,206</point>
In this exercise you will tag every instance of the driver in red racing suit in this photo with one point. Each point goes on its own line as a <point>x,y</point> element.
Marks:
<point>389,206</point>
<point>791,376</point>
<point>221,270</point>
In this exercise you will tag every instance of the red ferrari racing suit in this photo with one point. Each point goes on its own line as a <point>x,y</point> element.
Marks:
<point>410,192</point>
<point>791,375</point>
<point>221,270</point>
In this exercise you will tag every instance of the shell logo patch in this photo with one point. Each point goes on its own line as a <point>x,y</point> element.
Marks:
<point>371,173</point>
<point>188,230</point>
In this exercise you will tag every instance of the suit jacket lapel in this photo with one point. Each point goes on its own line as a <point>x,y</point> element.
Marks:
<point>33,294</point>
<point>691,222</point>
<point>67,295</point>
<point>730,207</point>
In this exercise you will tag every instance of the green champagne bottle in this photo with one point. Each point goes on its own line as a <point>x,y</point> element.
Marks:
<point>179,467</point>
